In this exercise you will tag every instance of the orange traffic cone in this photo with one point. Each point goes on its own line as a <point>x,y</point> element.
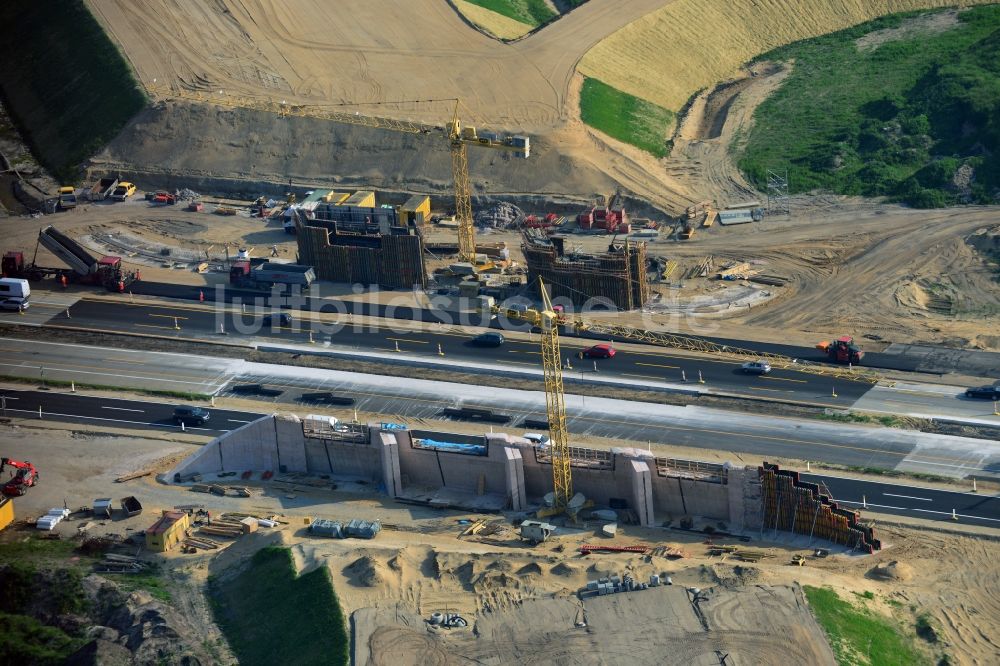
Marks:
<point>201,296</point>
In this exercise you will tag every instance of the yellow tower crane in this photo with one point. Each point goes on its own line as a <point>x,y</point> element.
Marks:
<point>459,138</point>
<point>548,321</point>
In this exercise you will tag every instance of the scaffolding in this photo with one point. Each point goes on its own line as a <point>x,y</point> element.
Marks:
<point>791,505</point>
<point>777,192</point>
<point>618,276</point>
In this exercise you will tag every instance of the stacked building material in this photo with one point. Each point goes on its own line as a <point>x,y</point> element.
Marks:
<point>51,519</point>
<point>790,504</point>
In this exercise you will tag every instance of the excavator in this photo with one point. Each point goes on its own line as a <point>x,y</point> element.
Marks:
<point>25,477</point>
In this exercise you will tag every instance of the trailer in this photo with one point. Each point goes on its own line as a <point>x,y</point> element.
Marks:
<point>269,274</point>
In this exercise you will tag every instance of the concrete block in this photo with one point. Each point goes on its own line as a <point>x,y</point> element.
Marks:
<point>290,443</point>
<point>515,479</point>
<point>388,449</point>
<point>642,492</point>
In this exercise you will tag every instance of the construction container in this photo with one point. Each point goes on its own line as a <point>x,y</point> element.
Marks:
<point>327,528</point>
<point>131,506</point>
<point>362,529</point>
<point>362,199</point>
<point>102,507</point>
<point>6,511</point>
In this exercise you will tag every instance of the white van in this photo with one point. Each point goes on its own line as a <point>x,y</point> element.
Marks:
<point>14,293</point>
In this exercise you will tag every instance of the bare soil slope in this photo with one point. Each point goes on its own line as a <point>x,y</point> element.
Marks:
<point>701,43</point>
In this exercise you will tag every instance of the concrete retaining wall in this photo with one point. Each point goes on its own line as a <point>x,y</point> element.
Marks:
<point>511,469</point>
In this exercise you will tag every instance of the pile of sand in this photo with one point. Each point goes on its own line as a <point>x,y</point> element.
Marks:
<point>366,571</point>
<point>897,571</point>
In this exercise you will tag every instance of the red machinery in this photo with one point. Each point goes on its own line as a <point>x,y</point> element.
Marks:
<point>842,350</point>
<point>25,477</point>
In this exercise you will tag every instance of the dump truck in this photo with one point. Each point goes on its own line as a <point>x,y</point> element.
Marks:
<point>842,350</point>
<point>103,188</point>
<point>84,268</point>
<point>269,274</point>
<point>67,197</point>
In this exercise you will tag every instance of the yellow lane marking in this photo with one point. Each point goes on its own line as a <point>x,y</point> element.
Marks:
<point>123,360</point>
<point>167,328</point>
<point>761,388</point>
<point>784,379</point>
<point>657,365</point>
<point>167,316</point>
<point>628,374</point>
<point>518,351</point>
<point>419,342</point>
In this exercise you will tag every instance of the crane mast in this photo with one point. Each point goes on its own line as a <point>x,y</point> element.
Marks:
<point>555,402</point>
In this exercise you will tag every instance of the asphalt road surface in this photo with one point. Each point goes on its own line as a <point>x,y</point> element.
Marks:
<point>908,358</point>
<point>654,365</point>
<point>913,501</point>
<point>68,407</point>
<point>881,497</point>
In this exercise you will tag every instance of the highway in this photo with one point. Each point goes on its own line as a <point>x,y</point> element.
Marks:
<point>632,362</point>
<point>905,357</point>
<point>914,501</point>
<point>640,423</point>
<point>72,408</point>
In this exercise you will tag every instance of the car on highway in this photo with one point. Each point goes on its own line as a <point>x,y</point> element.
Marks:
<point>984,392</point>
<point>487,340</point>
<point>602,350</point>
<point>14,304</point>
<point>537,438</point>
<point>282,319</point>
<point>186,415</point>
<point>756,367</point>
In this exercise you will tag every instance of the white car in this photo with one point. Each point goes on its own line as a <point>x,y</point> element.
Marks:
<point>537,438</point>
<point>756,367</point>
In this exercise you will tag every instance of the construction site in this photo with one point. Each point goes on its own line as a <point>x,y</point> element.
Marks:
<point>490,384</point>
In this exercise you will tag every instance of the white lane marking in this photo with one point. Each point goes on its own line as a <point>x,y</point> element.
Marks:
<point>923,499</point>
<point>54,368</point>
<point>104,418</point>
<point>7,397</point>
<point>940,513</point>
<point>237,421</point>
<point>124,409</point>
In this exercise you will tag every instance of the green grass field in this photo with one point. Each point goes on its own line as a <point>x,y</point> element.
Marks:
<point>624,117</point>
<point>531,12</point>
<point>857,635</point>
<point>895,120</point>
<point>271,617</point>
<point>64,83</point>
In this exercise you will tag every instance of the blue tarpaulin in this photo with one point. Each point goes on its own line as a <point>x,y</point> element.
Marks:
<point>454,447</point>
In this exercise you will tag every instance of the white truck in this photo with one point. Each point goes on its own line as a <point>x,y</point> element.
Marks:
<point>14,294</point>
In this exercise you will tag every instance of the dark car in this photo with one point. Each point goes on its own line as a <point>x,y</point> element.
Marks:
<point>603,350</point>
<point>984,392</point>
<point>278,320</point>
<point>191,415</point>
<point>488,340</point>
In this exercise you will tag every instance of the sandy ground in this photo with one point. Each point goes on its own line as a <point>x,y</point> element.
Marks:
<point>419,565</point>
<point>875,272</point>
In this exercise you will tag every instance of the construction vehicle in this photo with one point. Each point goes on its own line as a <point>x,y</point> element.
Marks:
<point>83,267</point>
<point>162,199</point>
<point>842,350</point>
<point>103,188</point>
<point>536,531</point>
<point>459,138</point>
<point>67,197</point>
<point>24,477</point>
<point>123,191</point>
<point>244,273</point>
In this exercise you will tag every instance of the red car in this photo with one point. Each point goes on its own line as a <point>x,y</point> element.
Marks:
<point>603,350</point>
